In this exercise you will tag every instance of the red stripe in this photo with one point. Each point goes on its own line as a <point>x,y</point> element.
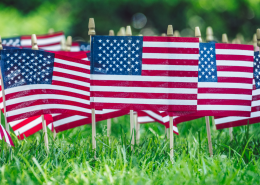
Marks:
<point>256,97</point>
<point>238,123</point>
<point>44,91</point>
<point>43,36</point>
<point>170,39</point>
<point>235,57</point>
<point>170,50</point>
<point>75,44</point>
<point>170,73</point>
<point>235,69</point>
<point>31,131</point>
<point>221,113</point>
<point>223,102</point>
<point>187,62</point>
<point>69,76</point>
<point>143,84</point>
<point>2,132</point>
<point>224,91</point>
<point>234,46</point>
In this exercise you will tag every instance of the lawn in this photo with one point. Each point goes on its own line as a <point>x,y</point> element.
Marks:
<point>71,159</point>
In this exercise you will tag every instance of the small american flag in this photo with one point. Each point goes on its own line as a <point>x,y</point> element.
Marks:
<point>233,121</point>
<point>38,82</point>
<point>144,73</point>
<point>47,42</point>
<point>225,79</point>
<point>4,134</point>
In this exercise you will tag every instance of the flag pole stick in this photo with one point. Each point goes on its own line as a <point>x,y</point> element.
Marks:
<point>51,31</point>
<point>198,34</point>
<point>3,95</point>
<point>91,32</point>
<point>111,33</point>
<point>128,32</point>
<point>170,34</point>
<point>44,128</point>
<point>137,127</point>
<point>225,40</point>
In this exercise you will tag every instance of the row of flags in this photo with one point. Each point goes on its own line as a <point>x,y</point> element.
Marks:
<point>157,77</point>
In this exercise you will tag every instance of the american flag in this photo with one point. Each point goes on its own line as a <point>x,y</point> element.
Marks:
<point>155,116</point>
<point>47,42</point>
<point>234,121</point>
<point>38,82</point>
<point>80,46</point>
<point>4,134</point>
<point>225,79</point>
<point>144,73</point>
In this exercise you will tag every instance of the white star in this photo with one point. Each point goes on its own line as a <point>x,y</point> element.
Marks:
<point>100,40</point>
<point>107,40</point>
<point>128,69</point>
<point>211,48</point>
<point>136,70</point>
<point>137,41</point>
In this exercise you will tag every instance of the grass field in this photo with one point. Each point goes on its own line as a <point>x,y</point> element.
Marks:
<point>71,159</point>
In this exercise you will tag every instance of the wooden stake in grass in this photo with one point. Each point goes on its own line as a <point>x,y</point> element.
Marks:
<point>44,128</point>
<point>3,95</point>
<point>63,44</point>
<point>255,42</point>
<point>91,27</point>
<point>198,34</point>
<point>170,34</point>
<point>51,31</point>
<point>137,126</point>
<point>176,33</point>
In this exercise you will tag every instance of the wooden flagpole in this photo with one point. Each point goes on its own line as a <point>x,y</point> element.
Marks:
<point>170,34</point>
<point>68,43</point>
<point>128,32</point>
<point>51,31</point>
<point>255,42</point>
<point>111,33</point>
<point>44,128</point>
<point>225,40</point>
<point>258,37</point>
<point>198,34</point>
<point>91,32</point>
<point>137,127</point>
<point>176,33</point>
<point>63,44</point>
<point>3,95</point>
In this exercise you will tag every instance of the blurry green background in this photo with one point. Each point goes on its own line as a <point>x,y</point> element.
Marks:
<point>148,17</point>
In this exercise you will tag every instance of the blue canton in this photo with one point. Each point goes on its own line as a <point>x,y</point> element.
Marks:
<point>25,67</point>
<point>84,46</point>
<point>207,63</point>
<point>14,41</point>
<point>117,55</point>
<point>257,69</point>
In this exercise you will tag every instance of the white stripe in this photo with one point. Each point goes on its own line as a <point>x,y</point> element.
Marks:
<point>224,96</point>
<point>28,126</point>
<point>45,97</point>
<point>170,56</point>
<point>145,101</point>
<point>51,48</point>
<point>226,107</point>
<point>47,106</point>
<point>175,129</point>
<point>169,67</point>
<point>256,92</point>
<point>234,52</point>
<point>234,63</point>
<point>144,89</point>
<point>224,85</point>
<point>13,123</point>
<point>255,103</point>
<point>67,71</point>
<point>74,48</point>
<point>154,115</point>
<point>144,78</point>
<point>43,41</point>
<point>145,119</point>
<point>255,114</point>
<point>235,74</point>
<point>194,45</point>
<point>68,80</point>
<point>68,120</point>
<point>43,86</point>
<point>228,119</point>
<point>75,64</point>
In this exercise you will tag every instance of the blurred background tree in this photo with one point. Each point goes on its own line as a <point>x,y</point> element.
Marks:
<point>148,17</point>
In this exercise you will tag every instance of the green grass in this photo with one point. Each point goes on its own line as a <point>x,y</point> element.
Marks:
<point>71,159</point>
